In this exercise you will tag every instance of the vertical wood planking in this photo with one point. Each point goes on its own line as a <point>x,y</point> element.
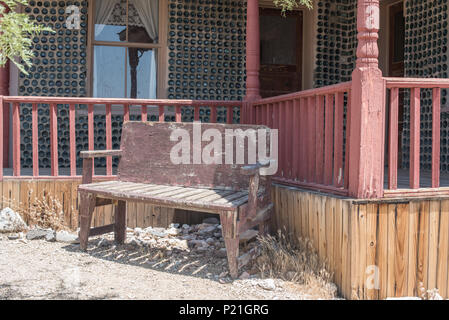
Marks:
<point>54,139</point>
<point>434,224</point>
<point>319,129</point>
<point>72,139</point>
<point>393,140</point>
<point>413,225</point>
<point>109,136</point>
<point>401,250</point>
<point>35,139</point>
<point>382,249</point>
<point>16,138</point>
<point>328,139</point>
<point>443,245</point>
<point>415,106</point>
<point>436,100</point>
<point>338,139</point>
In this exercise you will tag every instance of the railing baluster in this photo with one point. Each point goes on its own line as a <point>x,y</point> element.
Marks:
<point>126,112</point>
<point>35,139</point>
<point>196,113</point>
<point>303,139</point>
<point>178,114</point>
<point>289,138</point>
<point>415,105</point>
<point>109,136</point>
<point>72,139</point>
<point>2,106</point>
<point>90,130</point>
<point>16,138</point>
<point>269,115</point>
<point>347,146</point>
<point>282,110</point>
<point>393,140</point>
<point>276,126</point>
<point>161,113</point>
<point>338,140</point>
<point>436,99</point>
<point>263,114</point>
<point>319,127</point>
<point>296,139</point>
<point>54,139</point>
<point>230,114</point>
<point>311,139</point>
<point>328,139</point>
<point>144,113</point>
<point>213,114</point>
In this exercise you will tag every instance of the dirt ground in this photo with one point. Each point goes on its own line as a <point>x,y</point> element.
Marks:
<point>52,270</point>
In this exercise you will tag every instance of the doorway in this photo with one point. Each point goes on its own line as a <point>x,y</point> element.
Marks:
<point>280,52</point>
<point>396,34</point>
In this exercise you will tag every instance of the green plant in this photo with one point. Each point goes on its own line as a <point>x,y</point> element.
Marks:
<point>16,33</point>
<point>289,5</point>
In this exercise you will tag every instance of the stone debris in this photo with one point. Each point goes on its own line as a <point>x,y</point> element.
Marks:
<point>11,221</point>
<point>267,284</point>
<point>38,233</point>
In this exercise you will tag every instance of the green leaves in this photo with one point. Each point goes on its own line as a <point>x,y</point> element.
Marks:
<point>289,5</point>
<point>16,33</point>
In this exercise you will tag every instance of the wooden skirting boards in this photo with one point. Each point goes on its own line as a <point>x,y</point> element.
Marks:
<point>375,249</point>
<point>23,193</point>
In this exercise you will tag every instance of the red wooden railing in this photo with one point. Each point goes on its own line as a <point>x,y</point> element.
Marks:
<point>413,88</point>
<point>53,102</point>
<point>312,136</point>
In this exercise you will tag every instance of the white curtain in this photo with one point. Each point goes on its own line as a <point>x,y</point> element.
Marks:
<point>103,10</point>
<point>149,15</point>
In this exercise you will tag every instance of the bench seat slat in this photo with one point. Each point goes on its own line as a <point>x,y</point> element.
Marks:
<point>173,196</point>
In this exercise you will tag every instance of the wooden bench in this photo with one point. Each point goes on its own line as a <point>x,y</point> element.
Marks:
<point>237,193</point>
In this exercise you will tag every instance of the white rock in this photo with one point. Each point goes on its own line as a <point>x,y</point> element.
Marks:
<point>64,236</point>
<point>185,226</point>
<point>172,231</point>
<point>10,221</point>
<point>267,284</point>
<point>174,225</point>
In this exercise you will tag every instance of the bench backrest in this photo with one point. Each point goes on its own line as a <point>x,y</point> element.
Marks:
<point>146,149</point>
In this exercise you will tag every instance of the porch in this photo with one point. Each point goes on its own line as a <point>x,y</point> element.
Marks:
<point>339,180</point>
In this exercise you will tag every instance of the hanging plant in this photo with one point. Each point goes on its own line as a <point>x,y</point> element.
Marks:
<point>289,5</point>
<point>16,33</point>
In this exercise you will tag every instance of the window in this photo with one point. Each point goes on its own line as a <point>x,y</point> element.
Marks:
<point>126,49</point>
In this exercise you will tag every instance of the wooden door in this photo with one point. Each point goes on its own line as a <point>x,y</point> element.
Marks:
<point>396,61</point>
<point>280,52</point>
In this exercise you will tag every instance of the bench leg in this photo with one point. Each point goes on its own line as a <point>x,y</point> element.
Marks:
<point>231,238</point>
<point>120,222</point>
<point>87,206</point>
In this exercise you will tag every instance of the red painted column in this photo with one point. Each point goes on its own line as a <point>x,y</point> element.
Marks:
<point>252,58</point>
<point>367,108</point>
<point>4,91</point>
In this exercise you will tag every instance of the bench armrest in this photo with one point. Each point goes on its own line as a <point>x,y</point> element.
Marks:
<point>253,169</point>
<point>100,153</point>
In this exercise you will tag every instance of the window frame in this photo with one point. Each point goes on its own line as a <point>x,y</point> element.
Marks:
<point>161,46</point>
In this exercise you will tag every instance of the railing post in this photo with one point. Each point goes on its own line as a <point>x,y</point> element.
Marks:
<point>4,91</point>
<point>252,60</point>
<point>366,156</point>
